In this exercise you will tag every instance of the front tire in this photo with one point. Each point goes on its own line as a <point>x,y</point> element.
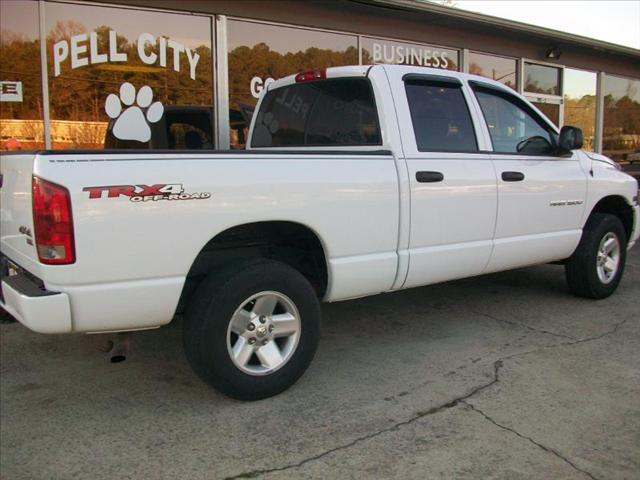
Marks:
<point>252,329</point>
<point>596,267</point>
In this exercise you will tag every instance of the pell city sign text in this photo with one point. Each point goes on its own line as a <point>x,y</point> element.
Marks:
<point>84,51</point>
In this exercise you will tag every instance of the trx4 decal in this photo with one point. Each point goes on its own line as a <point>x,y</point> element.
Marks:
<point>145,193</point>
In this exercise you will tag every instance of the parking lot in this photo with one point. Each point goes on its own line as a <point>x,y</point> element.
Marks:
<point>505,376</point>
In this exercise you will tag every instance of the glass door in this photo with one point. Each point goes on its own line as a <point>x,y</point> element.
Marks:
<point>552,108</point>
<point>542,85</point>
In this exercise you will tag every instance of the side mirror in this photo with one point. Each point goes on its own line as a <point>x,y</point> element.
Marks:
<point>570,139</point>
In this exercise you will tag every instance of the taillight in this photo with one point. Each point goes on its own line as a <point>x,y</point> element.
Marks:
<point>310,75</point>
<point>53,223</point>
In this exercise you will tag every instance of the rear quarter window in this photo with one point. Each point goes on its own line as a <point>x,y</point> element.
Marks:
<point>337,112</point>
<point>440,117</point>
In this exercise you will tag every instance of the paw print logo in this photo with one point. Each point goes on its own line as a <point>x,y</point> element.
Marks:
<point>133,122</point>
<point>266,125</point>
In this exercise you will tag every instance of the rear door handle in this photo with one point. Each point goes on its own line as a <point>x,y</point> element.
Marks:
<point>429,177</point>
<point>512,176</point>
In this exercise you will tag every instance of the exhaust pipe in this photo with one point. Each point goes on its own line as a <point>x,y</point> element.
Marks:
<point>120,347</point>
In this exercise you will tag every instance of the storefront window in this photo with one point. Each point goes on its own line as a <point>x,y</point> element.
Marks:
<point>621,139</point>
<point>550,110</point>
<point>376,51</point>
<point>580,103</point>
<point>541,79</point>
<point>125,78</point>
<point>260,53</point>
<point>21,125</point>
<point>500,69</point>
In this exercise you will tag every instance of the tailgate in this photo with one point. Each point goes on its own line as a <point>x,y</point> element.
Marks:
<point>16,219</point>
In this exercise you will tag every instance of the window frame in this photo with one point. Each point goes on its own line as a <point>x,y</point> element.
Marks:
<point>449,82</point>
<point>537,63</point>
<point>521,103</point>
<point>367,80</point>
<point>216,69</point>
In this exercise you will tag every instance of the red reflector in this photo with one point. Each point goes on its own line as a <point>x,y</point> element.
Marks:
<point>52,222</point>
<point>311,75</point>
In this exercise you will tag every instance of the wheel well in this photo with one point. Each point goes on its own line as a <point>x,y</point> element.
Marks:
<point>618,206</point>
<point>288,242</point>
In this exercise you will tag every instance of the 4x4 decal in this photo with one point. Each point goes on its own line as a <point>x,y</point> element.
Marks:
<point>145,193</point>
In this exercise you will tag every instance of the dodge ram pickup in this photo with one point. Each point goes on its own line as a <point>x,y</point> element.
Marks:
<point>355,181</point>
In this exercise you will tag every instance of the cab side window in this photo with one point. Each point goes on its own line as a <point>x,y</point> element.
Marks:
<point>440,117</point>
<point>514,128</point>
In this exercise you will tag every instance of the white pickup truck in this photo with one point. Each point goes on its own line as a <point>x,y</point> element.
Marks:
<point>356,181</point>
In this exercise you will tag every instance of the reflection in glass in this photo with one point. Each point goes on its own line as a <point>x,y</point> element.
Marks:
<point>550,110</point>
<point>375,51</point>
<point>440,117</point>
<point>541,79</point>
<point>125,78</point>
<point>621,138</point>
<point>259,53</point>
<point>580,103</point>
<point>338,112</point>
<point>510,125</point>
<point>500,69</point>
<point>21,126</point>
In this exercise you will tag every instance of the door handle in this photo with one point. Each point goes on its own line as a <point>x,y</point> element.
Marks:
<point>512,176</point>
<point>429,177</point>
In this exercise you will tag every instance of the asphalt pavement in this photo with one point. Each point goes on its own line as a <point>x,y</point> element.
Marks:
<point>506,376</point>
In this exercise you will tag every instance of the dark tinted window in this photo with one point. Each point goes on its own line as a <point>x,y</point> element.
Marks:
<point>513,126</point>
<point>441,119</point>
<point>340,112</point>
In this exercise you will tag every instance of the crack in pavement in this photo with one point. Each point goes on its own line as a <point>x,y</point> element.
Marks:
<point>529,439</point>
<point>254,473</point>
<point>523,325</point>
<point>497,366</point>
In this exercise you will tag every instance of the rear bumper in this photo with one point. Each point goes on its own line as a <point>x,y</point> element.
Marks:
<point>37,309</point>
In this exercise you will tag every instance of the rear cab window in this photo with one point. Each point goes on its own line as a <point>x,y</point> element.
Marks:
<point>333,112</point>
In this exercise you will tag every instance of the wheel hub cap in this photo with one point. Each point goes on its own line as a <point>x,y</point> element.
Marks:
<point>608,258</point>
<point>263,333</point>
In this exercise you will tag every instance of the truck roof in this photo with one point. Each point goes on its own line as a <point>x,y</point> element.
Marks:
<point>362,71</point>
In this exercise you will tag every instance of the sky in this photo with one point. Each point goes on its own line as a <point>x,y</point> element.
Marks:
<point>615,21</point>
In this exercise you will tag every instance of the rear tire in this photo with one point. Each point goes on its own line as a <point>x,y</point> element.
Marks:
<point>252,328</point>
<point>596,267</point>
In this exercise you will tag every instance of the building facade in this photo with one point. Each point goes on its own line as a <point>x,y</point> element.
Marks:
<point>186,74</point>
